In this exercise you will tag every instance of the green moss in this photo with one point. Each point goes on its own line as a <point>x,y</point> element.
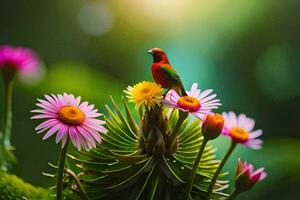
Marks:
<point>14,188</point>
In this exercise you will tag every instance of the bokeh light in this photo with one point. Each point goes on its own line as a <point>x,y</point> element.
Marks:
<point>95,18</point>
<point>275,73</point>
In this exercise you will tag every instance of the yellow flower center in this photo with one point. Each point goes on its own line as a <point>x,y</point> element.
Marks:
<point>145,93</point>
<point>71,115</point>
<point>239,135</point>
<point>189,103</point>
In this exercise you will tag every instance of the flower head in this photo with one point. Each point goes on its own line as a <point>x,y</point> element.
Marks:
<point>69,118</point>
<point>212,126</point>
<point>22,60</point>
<point>145,93</point>
<point>246,177</point>
<point>197,103</point>
<point>240,130</point>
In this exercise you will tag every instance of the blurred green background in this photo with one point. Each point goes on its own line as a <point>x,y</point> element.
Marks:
<point>248,51</point>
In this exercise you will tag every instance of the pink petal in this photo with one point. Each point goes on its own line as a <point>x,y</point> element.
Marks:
<point>83,105</point>
<point>198,115</point>
<point>51,131</point>
<point>52,101</point>
<point>72,100</point>
<point>47,124</point>
<point>85,134</point>
<point>74,137</point>
<point>64,140</point>
<point>256,134</point>
<point>77,101</point>
<point>172,96</point>
<point>42,116</point>
<point>232,120</point>
<point>50,112</point>
<point>194,92</point>
<point>96,121</point>
<point>263,176</point>
<point>253,146</point>
<point>206,99</point>
<point>48,104</point>
<point>169,103</point>
<point>63,130</point>
<point>62,100</point>
<point>93,115</point>
<point>242,120</point>
<point>93,133</point>
<point>90,107</point>
<point>254,142</point>
<point>249,125</point>
<point>204,93</point>
<point>204,107</point>
<point>41,105</point>
<point>258,171</point>
<point>255,178</point>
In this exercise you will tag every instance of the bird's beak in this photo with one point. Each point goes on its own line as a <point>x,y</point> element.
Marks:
<point>150,51</point>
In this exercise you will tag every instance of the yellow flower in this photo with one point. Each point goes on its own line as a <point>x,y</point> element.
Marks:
<point>145,93</point>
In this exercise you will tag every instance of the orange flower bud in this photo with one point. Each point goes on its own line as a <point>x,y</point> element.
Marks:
<point>212,126</point>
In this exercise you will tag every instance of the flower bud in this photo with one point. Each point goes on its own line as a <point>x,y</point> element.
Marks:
<point>246,178</point>
<point>212,126</point>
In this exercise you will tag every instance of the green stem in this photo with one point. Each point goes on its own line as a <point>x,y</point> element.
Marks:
<point>233,195</point>
<point>195,167</point>
<point>60,171</point>
<point>78,184</point>
<point>6,113</point>
<point>214,178</point>
<point>182,117</point>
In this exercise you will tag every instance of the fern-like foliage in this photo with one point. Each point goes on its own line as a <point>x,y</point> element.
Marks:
<point>14,188</point>
<point>128,164</point>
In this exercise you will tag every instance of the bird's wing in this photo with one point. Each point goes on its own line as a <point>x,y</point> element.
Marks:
<point>171,75</point>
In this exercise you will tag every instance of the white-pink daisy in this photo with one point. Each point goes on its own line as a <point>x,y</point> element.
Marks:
<point>198,103</point>
<point>69,119</point>
<point>240,129</point>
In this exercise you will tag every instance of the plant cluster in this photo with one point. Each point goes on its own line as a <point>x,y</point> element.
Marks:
<point>159,150</point>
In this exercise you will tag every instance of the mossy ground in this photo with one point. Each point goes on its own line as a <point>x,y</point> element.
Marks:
<point>14,188</point>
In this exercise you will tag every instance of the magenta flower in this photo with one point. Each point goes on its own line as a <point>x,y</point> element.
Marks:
<point>198,103</point>
<point>240,130</point>
<point>69,118</point>
<point>21,59</point>
<point>246,177</point>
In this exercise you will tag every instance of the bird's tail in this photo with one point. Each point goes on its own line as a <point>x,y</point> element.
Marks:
<point>181,91</point>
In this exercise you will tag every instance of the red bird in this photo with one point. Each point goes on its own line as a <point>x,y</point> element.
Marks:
<point>163,73</point>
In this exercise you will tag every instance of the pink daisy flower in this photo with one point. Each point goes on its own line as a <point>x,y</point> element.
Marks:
<point>240,129</point>
<point>21,59</point>
<point>246,177</point>
<point>69,118</point>
<point>198,103</point>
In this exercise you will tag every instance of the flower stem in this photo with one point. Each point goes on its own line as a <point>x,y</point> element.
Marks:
<point>6,123</point>
<point>194,169</point>
<point>214,178</point>
<point>7,113</point>
<point>60,171</point>
<point>233,195</point>
<point>78,184</point>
